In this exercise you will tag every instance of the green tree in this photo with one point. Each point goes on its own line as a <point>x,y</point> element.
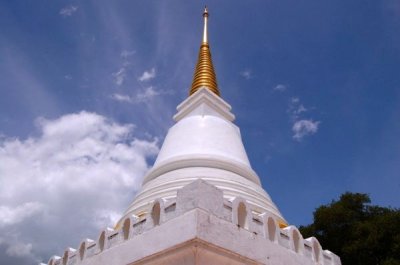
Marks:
<point>358,232</point>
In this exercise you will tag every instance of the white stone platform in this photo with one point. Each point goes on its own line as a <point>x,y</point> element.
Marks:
<point>199,227</point>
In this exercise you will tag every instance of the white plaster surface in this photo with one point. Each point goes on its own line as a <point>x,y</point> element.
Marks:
<point>204,143</point>
<point>202,230</point>
<point>201,203</point>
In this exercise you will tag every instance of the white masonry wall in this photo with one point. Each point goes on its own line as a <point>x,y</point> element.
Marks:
<point>199,227</point>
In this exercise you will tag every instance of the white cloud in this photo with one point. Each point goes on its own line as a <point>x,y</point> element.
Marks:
<point>68,11</point>
<point>142,97</point>
<point>280,88</point>
<point>120,76</point>
<point>121,97</point>
<point>247,74</point>
<point>125,53</point>
<point>295,108</point>
<point>147,75</point>
<point>13,215</point>
<point>74,178</point>
<point>147,94</point>
<point>303,128</point>
<point>294,100</point>
<point>300,109</point>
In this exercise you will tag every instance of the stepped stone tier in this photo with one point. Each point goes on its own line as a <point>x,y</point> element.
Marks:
<point>201,203</point>
<point>204,74</point>
<point>199,226</point>
<point>204,143</point>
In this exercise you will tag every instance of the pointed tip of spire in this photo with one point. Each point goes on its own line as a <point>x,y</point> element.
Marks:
<point>205,16</point>
<point>205,13</point>
<point>204,75</point>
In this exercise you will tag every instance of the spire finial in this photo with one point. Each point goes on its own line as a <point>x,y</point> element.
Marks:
<point>204,75</point>
<point>205,15</point>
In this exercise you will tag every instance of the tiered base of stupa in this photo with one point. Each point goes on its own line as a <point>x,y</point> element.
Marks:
<point>204,143</point>
<point>199,227</point>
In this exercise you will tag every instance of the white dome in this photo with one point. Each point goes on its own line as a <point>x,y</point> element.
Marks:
<point>204,135</point>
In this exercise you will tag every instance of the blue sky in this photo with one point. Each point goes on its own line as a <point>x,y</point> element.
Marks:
<point>315,87</point>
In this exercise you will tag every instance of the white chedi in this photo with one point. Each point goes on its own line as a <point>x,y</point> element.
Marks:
<point>206,144</point>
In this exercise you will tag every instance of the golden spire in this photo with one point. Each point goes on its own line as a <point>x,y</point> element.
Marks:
<point>204,74</point>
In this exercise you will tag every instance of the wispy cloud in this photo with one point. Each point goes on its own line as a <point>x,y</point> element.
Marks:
<point>143,96</point>
<point>295,108</point>
<point>294,100</point>
<point>121,97</point>
<point>148,94</point>
<point>303,128</point>
<point>300,109</point>
<point>19,250</point>
<point>247,74</point>
<point>280,88</point>
<point>147,75</point>
<point>21,70</point>
<point>120,76</point>
<point>125,53</point>
<point>68,11</point>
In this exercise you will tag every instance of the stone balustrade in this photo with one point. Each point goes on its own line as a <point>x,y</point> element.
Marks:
<point>200,195</point>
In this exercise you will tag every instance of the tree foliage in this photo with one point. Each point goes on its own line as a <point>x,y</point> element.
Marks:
<point>358,232</point>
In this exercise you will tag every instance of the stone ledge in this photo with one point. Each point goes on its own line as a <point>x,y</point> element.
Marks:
<point>200,214</point>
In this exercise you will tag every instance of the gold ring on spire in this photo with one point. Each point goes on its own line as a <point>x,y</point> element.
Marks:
<point>204,74</point>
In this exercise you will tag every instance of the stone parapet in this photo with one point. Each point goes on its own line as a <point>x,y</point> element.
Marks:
<point>174,232</point>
